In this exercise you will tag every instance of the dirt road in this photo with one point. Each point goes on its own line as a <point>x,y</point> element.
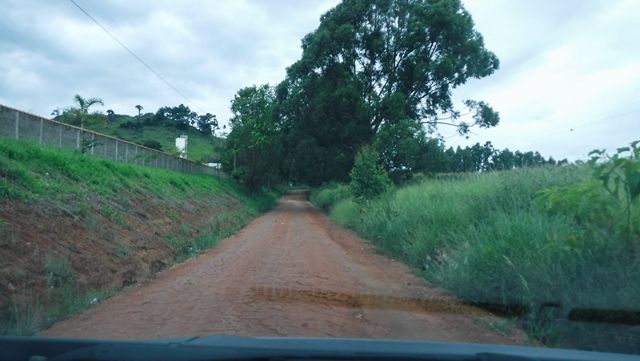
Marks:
<point>289,273</point>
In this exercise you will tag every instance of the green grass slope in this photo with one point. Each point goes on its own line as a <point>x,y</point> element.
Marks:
<point>29,171</point>
<point>201,148</point>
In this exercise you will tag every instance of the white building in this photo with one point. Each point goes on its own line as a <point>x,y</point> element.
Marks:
<point>181,145</point>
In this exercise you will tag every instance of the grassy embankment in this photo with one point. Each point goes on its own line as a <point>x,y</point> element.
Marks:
<point>201,148</point>
<point>528,237</point>
<point>107,207</point>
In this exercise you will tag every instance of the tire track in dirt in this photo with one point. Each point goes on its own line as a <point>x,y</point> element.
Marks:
<point>290,272</point>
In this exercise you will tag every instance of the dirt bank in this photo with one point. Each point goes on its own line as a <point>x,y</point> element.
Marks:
<point>108,244</point>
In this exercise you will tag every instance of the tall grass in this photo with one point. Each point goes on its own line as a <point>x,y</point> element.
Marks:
<point>330,194</point>
<point>484,237</point>
<point>63,298</point>
<point>29,171</point>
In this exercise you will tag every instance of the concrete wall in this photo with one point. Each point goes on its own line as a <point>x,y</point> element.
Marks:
<point>16,124</point>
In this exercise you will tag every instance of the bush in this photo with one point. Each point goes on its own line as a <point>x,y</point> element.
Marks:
<point>131,125</point>
<point>368,177</point>
<point>345,212</point>
<point>327,196</point>
<point>153,144</point>
<point>59,272</point>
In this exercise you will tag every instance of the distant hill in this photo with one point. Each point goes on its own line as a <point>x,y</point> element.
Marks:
<point>201,148</point>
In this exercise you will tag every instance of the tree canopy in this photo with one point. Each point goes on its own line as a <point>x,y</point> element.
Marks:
<point>372,63</point>
<point>252,150</point>
<point>377,74</point>
<point>403,57</point>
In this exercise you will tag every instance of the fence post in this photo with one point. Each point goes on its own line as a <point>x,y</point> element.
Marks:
<point>60,136</point>
<point>126,152</point>
<point>41,125</point>
<point>93,143</point>
<point>116,150</point>
<point>17,125</point>
<point>78,139</point>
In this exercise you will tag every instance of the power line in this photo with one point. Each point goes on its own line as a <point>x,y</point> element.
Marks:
<point>611,115</point>
<point>135,55</point>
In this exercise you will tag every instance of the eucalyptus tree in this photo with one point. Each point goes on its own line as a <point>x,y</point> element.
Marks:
<point>375,62</point>
<point>252,151</point>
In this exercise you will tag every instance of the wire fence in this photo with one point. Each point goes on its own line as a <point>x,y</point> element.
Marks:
<point>19,125</point>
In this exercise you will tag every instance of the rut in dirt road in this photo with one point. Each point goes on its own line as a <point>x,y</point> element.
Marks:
<point>288,273</point>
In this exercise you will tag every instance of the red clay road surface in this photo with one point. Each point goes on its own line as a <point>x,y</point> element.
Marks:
<point>288,273</point>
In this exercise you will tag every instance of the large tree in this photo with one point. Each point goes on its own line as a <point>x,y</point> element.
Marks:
<point>375,62</point>
<point>252,150</point>
<point>401,146</point>
<point>180,117</point>
<point>325,123</point>
<point>207,123</point>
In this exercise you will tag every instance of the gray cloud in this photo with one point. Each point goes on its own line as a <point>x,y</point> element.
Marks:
<point>564,64</point>
<point>566,83</point>
<point>50,51</point>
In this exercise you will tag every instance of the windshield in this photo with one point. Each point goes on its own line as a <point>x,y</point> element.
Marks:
<point>432,170</point>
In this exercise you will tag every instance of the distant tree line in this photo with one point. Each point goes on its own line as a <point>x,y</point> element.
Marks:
<point>404,153</point>
<point>479,158</point>
<point>179,117</point>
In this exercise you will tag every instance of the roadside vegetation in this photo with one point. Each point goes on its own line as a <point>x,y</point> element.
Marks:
<point>29,171</point>
<point>58,202</point>
<point>538,242</point>
<point>362,113</point>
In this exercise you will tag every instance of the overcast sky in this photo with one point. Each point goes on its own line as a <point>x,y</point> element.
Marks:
<point>569,79</point>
